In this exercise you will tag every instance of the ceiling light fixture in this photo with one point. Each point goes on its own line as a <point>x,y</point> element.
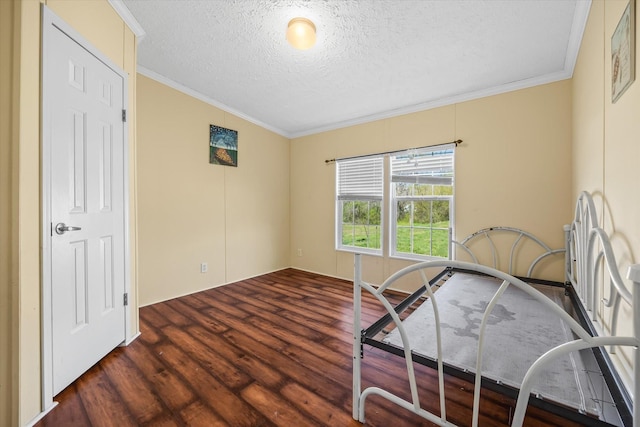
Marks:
<point>301,33</point>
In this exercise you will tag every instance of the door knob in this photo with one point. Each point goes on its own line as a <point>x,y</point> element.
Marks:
<point>62,228</point>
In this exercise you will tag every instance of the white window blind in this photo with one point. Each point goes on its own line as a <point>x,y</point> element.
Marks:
<point>424,166</point>
<point>360,179</point>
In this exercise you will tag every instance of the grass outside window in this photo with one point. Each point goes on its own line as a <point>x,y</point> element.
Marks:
<point>423,239</point>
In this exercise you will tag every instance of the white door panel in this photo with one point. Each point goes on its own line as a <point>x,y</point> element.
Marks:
<point>85,102</point>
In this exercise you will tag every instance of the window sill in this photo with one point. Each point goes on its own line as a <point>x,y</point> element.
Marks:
<point>363,251</point>
<point>415,258</point>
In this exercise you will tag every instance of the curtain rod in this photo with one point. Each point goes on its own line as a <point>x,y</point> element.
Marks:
<point>456,142</point>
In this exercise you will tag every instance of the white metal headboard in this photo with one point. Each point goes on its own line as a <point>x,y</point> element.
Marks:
<point>590,259</point>
<point>519,238</point>
<point>587,246</point>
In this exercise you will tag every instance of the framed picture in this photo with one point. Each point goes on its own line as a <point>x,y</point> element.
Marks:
<point>623,53</point>
<point>223,146</point>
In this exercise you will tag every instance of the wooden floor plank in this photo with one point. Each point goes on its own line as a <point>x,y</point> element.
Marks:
<point>259,371</point>
<point>224,401</point>
<point>173,391</point>
<point>271,404</point>
<point>219,309</point>
<point>152,316</point>
<point>208,358</point>
<point>274,350</point>
<point>131,386</point>
<point>209,322</point>
<point>316,406</point>
<point>256,335</point>
<point>273,322</point>
<point>320,384</point>
<point>73,412</point>
<point>171,312</point>
<point>101,401</point>
<point>248,299</point>
<point>198,414</point>
<point>149,335</point>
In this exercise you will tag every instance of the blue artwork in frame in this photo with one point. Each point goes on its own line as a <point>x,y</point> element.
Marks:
<point>223,146</point>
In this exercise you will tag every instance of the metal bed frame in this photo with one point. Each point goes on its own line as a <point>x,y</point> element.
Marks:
<point>588,259</point>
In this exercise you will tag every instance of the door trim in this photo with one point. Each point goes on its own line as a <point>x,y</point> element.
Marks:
<point>52,22</point>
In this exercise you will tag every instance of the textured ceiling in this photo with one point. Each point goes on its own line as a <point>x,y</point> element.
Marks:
<point>372,59</point>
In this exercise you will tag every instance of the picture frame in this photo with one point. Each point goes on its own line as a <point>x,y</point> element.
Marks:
<point>623,57</point>
<point>223,146</point>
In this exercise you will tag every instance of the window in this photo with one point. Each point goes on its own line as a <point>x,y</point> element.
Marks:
<point>359,204</point>
<point>419,208</point>
<point>421,202</point>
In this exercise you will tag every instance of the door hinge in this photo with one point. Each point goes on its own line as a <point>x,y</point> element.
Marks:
<point>124,115</point>
<point>126,299</point>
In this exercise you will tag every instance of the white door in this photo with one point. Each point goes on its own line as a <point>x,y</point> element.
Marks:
<point>83,100</point>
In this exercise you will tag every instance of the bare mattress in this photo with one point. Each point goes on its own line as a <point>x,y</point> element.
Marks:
<point>519,330</point>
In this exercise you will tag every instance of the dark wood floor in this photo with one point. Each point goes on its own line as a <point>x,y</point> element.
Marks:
<point>272,350</point>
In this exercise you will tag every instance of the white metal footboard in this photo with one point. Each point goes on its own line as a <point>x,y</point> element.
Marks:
<point>585,340</point>
<point>359,396</point>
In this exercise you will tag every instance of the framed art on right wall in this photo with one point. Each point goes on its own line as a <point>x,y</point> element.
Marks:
<point>623,53</point>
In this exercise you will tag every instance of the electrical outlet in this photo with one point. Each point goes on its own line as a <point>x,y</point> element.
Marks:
<point>203,267</point>
<point>299,252</point>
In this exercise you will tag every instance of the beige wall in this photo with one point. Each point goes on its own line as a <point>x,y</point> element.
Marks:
<point>606,147</point>
<point>513,169</point>
<point>20,365</point>
<point>7,244</point>
<point>588,108</point>
<point>236,219</point>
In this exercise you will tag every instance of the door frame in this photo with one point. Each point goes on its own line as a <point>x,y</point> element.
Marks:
<point>52,22</point>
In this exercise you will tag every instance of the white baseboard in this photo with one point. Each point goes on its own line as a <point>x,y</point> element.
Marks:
<point>41,415</point>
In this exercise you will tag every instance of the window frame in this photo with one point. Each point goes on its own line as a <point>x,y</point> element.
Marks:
<point>437,176</point>
<point>419,179</point>
<point>365,195</point>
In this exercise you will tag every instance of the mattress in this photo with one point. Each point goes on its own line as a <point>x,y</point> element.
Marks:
<point>519,330</point>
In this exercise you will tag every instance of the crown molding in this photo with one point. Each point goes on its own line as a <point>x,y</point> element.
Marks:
<point>199,96</point>
<point>449,100</point>
<point>128,18</point>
